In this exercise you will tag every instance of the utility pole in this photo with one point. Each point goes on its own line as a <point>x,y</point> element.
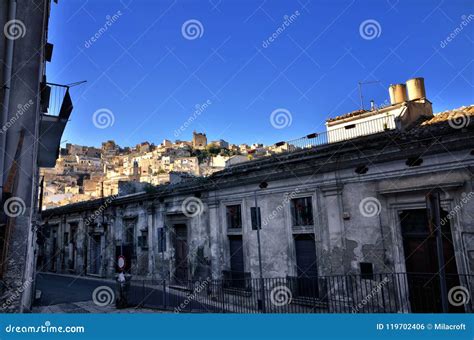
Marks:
<point>163,269</point>
<point>258,223</point>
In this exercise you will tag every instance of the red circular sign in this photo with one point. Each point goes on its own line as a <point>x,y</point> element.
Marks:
<point>121,262</point>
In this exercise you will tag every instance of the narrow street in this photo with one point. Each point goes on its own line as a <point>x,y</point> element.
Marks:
<point>57,289</point>
<point>74,294</point>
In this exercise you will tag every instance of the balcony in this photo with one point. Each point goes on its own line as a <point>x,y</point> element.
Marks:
<point>56,107</point>
<point>357,129</point>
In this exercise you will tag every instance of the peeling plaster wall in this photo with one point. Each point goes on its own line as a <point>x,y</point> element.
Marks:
<point>344,237</point>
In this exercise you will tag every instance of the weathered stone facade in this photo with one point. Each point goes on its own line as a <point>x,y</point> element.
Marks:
<point>22,56</point>
<point>392,170</point>
<point>33,114</point>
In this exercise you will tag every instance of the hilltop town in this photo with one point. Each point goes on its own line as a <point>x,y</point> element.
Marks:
<point>83,173</point>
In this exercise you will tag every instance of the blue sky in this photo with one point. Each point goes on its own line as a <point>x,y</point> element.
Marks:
<point>150,76</point>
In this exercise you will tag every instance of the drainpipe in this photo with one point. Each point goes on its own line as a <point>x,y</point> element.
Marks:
<point>6,81</point>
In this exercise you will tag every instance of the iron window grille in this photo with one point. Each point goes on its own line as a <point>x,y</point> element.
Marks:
<point>302,212</point>
<point>234,216</point>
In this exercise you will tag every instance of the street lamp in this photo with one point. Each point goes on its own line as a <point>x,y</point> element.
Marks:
<point>258,224</point>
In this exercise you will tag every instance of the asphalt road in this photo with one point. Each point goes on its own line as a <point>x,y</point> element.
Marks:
<point>57,289</point>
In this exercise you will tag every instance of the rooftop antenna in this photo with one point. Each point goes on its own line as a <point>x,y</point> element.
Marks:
<point>360,83</point>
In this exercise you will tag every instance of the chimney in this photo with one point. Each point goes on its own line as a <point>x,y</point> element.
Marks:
<point>416,88</point>
<point>372,105</point>
<point>398,93</point>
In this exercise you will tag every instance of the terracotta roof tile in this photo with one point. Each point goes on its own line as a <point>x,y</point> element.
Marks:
<point>347,115</point>
<point>459,113</point>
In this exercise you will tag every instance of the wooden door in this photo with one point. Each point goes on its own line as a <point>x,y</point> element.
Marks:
<point>421,261</point>
<point>306,265</point>
<point>181,253</point>
<point>236,261</point>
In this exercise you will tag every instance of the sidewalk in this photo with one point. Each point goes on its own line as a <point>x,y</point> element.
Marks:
<point>89,307</point>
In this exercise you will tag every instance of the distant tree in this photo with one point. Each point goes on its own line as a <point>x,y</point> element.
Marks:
<point>200,154</point>
<point>150,189</point>
<point>213,149</point>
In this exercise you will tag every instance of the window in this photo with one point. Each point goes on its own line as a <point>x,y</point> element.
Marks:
<point>73,232</point>
<point>367,270</point>
<point>66,239</point>
<point>253,215</point>
<point>302,211</point>
<point>234,217</point>
<point>129,226</point>
<point>143,240</point>
<point>161,240</point>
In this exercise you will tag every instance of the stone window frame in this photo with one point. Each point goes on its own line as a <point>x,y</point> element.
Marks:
<point>316,229</point>
<point>73,231</point>
<point>315,205</point>
<point>223,217</point>
<point>305,226</point>
<point>228,227</point>
<point>134,243</point>
<point>235,232</point>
